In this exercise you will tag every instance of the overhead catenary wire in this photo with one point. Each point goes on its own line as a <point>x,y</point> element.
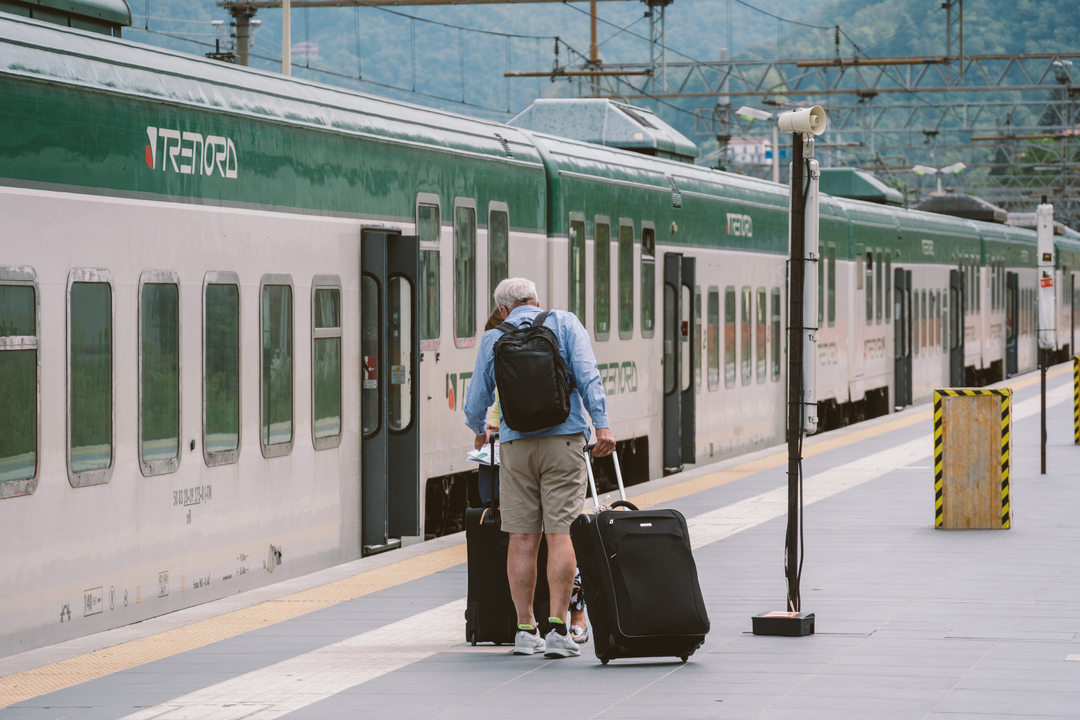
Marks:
<point>332,73</point>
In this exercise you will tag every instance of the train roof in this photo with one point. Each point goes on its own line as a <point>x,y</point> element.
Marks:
<point>41,52</point>
<point>576,156</point>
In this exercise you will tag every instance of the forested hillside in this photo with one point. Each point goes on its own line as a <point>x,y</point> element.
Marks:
<point>395,55</point>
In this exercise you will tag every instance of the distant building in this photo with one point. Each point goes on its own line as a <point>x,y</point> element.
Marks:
<point>749,151</point>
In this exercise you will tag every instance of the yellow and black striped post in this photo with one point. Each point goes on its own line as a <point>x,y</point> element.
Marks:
<point>939,447</point>
<point>1076,399</point>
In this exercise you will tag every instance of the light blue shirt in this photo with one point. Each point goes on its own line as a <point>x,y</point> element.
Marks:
<point>588,393</point>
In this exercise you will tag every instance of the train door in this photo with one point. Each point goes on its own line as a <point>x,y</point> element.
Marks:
<point>688,341</point>
<point>902,336</point>
<point>673,351</point>
<point>956,329</point>
<point>390,403</point>
<point>1012,302</point>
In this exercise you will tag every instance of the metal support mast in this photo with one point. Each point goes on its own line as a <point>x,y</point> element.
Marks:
<point>657,44</point>
<point>242,15</point>
<point>954,40</point>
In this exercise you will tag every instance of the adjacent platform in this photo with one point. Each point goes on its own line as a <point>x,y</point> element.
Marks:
<point>911,622</point>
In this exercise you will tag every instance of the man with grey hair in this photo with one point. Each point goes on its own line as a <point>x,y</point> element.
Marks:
<point>542,476</point>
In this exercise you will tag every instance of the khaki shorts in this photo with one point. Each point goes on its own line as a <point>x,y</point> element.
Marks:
<point>541,483</point>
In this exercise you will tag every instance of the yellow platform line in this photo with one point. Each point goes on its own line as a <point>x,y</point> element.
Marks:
<point>65,673</point>
<point>72,671</point>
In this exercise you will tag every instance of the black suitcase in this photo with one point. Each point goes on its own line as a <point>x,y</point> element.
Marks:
<point>640,580</point>
<point>489,610</point>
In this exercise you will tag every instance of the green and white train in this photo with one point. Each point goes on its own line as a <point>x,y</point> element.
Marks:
<point>187,380</point>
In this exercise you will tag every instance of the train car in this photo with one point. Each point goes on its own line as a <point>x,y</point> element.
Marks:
<point>184,386</point>
<point>238,316</point>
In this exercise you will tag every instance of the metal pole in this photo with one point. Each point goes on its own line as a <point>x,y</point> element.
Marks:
<point>775,154</point>
<point>594,54</point>
<point>795,374</point>
<point>286,37</point>
<point>1042,434</point>
<point>242,15</point>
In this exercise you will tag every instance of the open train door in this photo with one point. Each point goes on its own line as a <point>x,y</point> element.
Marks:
<point>389,402</point>
<point>902,336</point>
<point>1012,311</point>
<point>673,351</point>
<point>956,329</point>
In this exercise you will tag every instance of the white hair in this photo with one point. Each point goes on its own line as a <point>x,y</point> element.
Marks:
<point>512,292</point>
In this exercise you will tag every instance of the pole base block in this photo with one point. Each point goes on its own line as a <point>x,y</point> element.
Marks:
<point>784,624</point>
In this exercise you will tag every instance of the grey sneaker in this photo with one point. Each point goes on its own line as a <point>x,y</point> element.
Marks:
<point>560,646</point>
<point>528,643</point>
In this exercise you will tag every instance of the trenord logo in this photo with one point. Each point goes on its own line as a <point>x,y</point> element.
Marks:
<point>189,153</point>
<point>741,225</point>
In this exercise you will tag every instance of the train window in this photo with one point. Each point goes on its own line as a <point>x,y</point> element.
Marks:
<point>399,389</point>
<point>713,342</point>
<point>937,320</point>
<point>915,325</point>
<point>964,284</point>
<point>762,331</point>
<point>777,337</point>
<point>602,282</point>
<point>576,281</point>
<point>90,377</point>
<point>464,274</point>
<point>221,368</point>
<point>831,277</point>
<point>159,372</point>
<point>370,331</point>
<point>648,280</point>
<point>944,305</point>
<point>745,337</point>
<point>276,368</point>
<point>888,286</point>
<point>697,337</point>
<point>993,286</point>
<point>626,280</point>
<point>858,268</point>
<point>685,358</point>
<point>821,290</point>
<point>932,320</point>
<point>878,287</point>
<point>19,380</point>
<point>326,361</point>
<point>729,337</point>
<point>977,270</point>
<point>498,248</point>
<point>924,318</point>
<point>869,287</point>
<point>428,229</point>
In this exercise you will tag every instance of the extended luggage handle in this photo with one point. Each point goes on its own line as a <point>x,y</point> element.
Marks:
<point>493,438</point>
<point>622,502</point>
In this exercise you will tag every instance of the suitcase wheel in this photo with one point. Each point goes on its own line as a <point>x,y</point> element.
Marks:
<point>685,657</point>
<point>497,642</point>
<point>472,637</point>
<point>603,661</point>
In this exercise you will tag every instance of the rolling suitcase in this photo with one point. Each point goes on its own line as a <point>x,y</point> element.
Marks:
<point>489,610</point>
<point>640,580</point>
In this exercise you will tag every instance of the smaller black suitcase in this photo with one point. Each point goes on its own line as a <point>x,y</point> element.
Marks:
<point>640,580</point>
<point>489,612</point>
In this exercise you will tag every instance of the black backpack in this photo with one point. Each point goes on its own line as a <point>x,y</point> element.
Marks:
<point>532,377</point>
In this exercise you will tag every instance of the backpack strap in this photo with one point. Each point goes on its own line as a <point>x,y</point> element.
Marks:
<point>539,319</point>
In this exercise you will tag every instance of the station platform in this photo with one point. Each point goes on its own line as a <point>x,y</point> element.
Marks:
<point>911,622</point>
